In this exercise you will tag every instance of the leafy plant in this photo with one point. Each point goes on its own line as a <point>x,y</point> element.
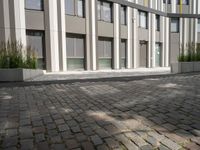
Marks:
<point>14,55</point>
<point>189,53</point>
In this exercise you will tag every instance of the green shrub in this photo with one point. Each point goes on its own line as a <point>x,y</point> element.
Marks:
<point>191,53</point>
<point>13,55</point>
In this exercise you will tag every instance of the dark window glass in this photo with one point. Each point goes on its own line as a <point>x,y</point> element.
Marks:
<point>157,22</point>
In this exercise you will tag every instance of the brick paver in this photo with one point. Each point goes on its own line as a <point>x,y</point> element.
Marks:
<point>152,113</point>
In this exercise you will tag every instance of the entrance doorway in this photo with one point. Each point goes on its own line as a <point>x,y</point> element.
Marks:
<point>143,54</point>
<point>158,54</point>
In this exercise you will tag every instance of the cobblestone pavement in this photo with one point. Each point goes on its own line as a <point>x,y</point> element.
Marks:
<point>151,113</point>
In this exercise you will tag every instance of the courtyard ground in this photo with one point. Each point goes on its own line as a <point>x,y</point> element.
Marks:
<point>161,112</point>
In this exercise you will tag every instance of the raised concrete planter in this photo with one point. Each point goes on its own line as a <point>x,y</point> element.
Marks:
<point>184,67</point>
<point>16,75</point>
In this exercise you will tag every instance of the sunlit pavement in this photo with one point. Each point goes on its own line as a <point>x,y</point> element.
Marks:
<point>151,113</point>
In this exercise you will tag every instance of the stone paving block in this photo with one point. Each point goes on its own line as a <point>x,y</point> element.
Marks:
<point>63,127</point>
<point>42,146</point>
<point>39,137</point>
<point>113,144</point>
<point>71,144</point>
<point>192,146</point>
<point>10,142</point>
<point>136,139</point>
<point>170,144</point>
<point>87,146</point>
<point>96,140</point>
<point>126,142</point>
<point>102,147</point>
<point>26,144</point>
<point>58,147</point>
<point>11,132</point>
<point>25,133</point>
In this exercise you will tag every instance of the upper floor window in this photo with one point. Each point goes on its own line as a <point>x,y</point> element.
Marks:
<point>167,1</point>
<point>34,4</point>
<point>123,15</point>
<point>105,11</point>
<point>184,2</point>
<point>157,22</point>
<point>175,25</point>
<point>75,7</point>
<point>143,19</point>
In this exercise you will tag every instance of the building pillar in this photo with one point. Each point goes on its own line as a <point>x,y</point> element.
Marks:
<point>17,21</point>
<point>136,50</point>
<point>92,33</point>
<point>62,35</point>
<point>117,36</point>
<point>130,37</point>
<point>153,39</point>
<point>5,21</point>
<point>51,35</point>
<point>167,43</point>
<point>88,35</point>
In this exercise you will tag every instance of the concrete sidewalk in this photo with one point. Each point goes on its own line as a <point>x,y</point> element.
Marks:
<point>73,75</point>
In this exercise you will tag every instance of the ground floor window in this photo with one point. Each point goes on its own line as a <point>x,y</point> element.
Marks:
<point>35,39</point>
<point>123,53</point>
<point>105,50</point>
<point>75,46</point>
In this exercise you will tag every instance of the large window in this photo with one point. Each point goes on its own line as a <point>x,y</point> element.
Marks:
<point>75,7</point>
<point>175,25</point>
<point>105,47</point>
<point>123,15</point>
<point>75,52</point>
<point>34,4</point>
<point>35,40</point>
<point>105,11</point>
<point>143,19</point>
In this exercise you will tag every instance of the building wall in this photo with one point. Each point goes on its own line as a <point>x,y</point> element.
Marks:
<point>54,22</point>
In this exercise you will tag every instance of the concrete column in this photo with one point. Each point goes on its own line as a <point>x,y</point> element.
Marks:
<point>93,33</point>
<point>135,38</point>
<point>17,20</point>
<point>62,35</point>
<point>153,39</point>
<point>166,44</point>
<point>51,35</point>
<point>162,34</point>
<point>5,21</point>
<point>173,3</point>
<point>183,34</point>
<point>149,40</point>
<point>130,37</point>
<point>117,36</point>
<point>88,35</point>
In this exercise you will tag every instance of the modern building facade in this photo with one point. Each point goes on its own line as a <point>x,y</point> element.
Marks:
<point>101,34</point>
